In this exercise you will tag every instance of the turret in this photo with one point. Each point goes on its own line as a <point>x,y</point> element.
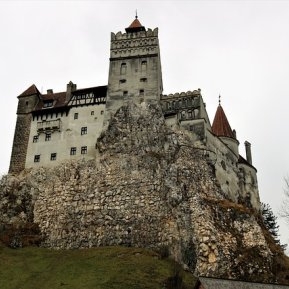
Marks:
<point>26,103</point>
<point>222,129</point>
<point>135,68</point>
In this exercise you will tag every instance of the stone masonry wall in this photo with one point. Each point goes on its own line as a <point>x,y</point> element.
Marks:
<point>148,188</point>
<point>20,143</point>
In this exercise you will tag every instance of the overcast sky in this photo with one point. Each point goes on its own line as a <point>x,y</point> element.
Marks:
<point>239,49</point>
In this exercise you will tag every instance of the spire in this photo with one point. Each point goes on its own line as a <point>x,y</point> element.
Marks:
<point>135,26</point>
<point>221,126</point>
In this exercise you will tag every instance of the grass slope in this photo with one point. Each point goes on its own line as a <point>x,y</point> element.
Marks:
<point>105,267</point>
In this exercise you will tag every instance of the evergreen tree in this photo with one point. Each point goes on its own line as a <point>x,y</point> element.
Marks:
<point>270,222</point>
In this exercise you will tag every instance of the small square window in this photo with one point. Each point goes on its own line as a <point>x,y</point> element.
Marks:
<point>144,79</point>
<point>76,115</point>
<point>73,151</point>
<point>35,138</point>
<point>37,158</point>
<point>122,81</point>
<point>48,136</point>
<point>83,130</point>
<point>141,92</point>
<point>84,150</point>
<point>92,113</point>
<point>53,157</point>
<point>102,112</point>
<point>125,93</point>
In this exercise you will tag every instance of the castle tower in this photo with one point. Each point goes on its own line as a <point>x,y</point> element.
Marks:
<point>135,68</point>
<point>222,129</point>
<point>26,103</point>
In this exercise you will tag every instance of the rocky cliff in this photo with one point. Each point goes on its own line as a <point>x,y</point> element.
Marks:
<point>150,186</point>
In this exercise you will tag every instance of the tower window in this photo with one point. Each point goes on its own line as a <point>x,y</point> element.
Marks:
<point>76,115</point>
<point>37,158</point>
<point>125,93</point>
<point>92,113</point>
<point>122,81</point>
<point>73,151</point>
<point>53,157</point>
<point>84,150</point>
<point>123,69</point>
<point>102,112</point>
<point>143,65</point>
<point>141,92</point>
<point>35,138</point>
<point>144,79</point>
<point>48,136</point>
<point>83,130</point>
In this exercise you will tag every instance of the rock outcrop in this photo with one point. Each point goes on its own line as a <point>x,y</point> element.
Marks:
<point>150,186</point>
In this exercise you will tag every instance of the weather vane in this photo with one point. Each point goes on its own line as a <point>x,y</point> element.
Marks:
<point>219,99</point>
<point>135,13</point>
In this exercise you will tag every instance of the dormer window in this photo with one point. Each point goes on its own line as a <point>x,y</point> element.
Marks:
<point>48,103</point>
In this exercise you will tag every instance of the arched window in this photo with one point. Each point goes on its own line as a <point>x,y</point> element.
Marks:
<point>144,66</point>
<point>123,68</point>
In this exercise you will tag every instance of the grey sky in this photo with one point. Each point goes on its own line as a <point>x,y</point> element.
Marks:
<point>239,49</point>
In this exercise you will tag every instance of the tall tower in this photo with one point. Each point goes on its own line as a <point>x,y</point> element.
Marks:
<point>26,103</point>
<point>135,68</point>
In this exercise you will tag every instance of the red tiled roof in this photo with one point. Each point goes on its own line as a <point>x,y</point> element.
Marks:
<point>135,26</point>
<point>29,91</point>
<point>221,126</point>
<point>59,99</point>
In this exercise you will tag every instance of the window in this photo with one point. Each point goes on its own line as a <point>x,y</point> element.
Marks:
<point>84,150</point>
<point>48,103</point>
<point>83,130</point>
<point>35,138</point>
<point>102,112</point>
<point>37,158</point>
<point>53,157</point>
<point>123,68</point>
<point>73,151</point>
<point>122,81</point>
<point>141,92</point>
<point>144,79</point>
<point>125,93</point>
<point>76,115</point>
<point>143,66</point>
<point>48,136</point>
<point>92,113</point>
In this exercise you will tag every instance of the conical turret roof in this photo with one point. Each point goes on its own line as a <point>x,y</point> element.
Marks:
<point>221,126</point>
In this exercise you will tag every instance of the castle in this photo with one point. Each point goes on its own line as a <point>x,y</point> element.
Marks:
<point>56,127</point>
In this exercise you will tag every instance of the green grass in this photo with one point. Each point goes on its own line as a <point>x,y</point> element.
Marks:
<point>105,267</point>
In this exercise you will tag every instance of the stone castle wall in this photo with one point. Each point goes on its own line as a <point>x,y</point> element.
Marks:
<point>20,143</point>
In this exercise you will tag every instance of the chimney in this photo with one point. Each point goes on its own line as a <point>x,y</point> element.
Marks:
<point>69,89</point>
<point>248,152</point>
<point>49,91</point>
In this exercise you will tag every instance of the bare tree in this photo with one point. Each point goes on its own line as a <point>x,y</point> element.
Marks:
<point>284,213</point>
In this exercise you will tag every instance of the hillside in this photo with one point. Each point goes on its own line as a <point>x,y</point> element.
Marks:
<point>98,268</point>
